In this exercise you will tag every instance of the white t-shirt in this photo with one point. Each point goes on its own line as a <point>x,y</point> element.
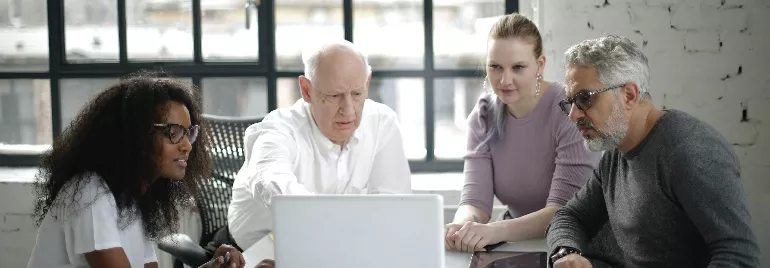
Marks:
<point>62,241</point>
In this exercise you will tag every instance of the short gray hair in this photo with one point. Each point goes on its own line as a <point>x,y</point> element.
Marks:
<point>311,53</point>
<point>617,60</point>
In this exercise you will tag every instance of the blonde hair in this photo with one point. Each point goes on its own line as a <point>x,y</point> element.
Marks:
<point>513,25</point>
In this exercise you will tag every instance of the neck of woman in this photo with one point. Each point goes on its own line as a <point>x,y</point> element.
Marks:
<point>527,103</point>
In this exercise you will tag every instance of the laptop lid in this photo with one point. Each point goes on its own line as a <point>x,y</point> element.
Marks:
<point>358,231</point>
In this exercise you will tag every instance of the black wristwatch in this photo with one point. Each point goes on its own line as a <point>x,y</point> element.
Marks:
<point>560,252</point>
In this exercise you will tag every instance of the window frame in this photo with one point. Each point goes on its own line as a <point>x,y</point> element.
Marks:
<point>197,69</point>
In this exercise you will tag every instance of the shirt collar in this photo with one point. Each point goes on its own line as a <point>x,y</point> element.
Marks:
<point>324,143</point>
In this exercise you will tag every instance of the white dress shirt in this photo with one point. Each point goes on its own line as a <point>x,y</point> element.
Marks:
<point>286,153</point>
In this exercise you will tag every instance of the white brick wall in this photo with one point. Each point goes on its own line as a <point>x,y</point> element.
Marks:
<point>706,58</point>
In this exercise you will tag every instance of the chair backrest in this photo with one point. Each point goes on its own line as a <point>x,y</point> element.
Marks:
<point>226,136</point>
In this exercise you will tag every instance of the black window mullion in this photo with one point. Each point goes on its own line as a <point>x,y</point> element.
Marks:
<point>511,6</point>
<point>264,30</point>
<point>197,39</point>
<point>430,127</point>
<point>56,48</point>
<point>122,30</point>
<point>266,22</point>
<point>347,18</point>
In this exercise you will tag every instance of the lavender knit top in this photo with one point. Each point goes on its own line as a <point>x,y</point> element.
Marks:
<point>539,160</point>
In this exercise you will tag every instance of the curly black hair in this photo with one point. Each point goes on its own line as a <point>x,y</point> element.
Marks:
<point>113,136</point>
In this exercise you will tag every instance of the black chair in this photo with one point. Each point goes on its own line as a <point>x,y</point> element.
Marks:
<point>226,135</point>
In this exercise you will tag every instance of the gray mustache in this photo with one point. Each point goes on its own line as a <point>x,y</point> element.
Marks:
<point>585,123</point>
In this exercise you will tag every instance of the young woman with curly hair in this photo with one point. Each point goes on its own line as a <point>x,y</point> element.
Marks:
<point>118,178</point>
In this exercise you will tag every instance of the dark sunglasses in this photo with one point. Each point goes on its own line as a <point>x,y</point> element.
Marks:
<point>175,132</point>
<point>582,99</point>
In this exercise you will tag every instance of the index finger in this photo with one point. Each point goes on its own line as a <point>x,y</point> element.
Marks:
<point>459,236</point>
<point>222,250</point>
<point>450,230</point>
<point>266,263</point>
<point>243,261</point>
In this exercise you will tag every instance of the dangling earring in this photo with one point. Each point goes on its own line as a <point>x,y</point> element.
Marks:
<point>537,85</point>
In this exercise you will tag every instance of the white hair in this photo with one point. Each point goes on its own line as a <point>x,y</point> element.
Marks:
<point>617,60</point>
<point>311,53</point>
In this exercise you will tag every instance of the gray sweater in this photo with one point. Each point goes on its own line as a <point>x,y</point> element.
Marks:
<point>676,200</point>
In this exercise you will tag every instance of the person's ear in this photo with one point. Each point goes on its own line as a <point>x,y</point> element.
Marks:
<point>541,64</point>
<point>304,86</point>
<point>630,95</point>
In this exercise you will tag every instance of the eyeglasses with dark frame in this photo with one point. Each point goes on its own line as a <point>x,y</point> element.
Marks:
<point>175,132</point>
<point>583,99</point>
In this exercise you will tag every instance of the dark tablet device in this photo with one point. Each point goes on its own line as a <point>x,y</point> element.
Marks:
<point>494,246</point>
<point>499,259</point>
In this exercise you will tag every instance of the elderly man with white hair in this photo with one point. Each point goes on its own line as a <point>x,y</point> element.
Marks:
<point>332,141</point>
<point>668,184</point>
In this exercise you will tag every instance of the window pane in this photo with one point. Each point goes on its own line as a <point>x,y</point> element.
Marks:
<point>406,96</point>
<point>75,93</point>
<point>229,31</point>
<point>159,30</point>
<point>300,21</point>
<point>91,30</point>
<point>25,111</point>
<point>460,31</point>
<point>455,99</point>
<point>235,96</point>
<point>391,32</point>
<point>23,36</point>
<point>288,91</point>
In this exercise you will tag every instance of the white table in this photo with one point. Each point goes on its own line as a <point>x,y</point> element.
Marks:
<point>263,249</point>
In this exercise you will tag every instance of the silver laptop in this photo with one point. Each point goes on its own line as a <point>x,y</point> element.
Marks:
<point>370,231</point>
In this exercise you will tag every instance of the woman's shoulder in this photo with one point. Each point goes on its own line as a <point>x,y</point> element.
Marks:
<point>556,94</point>
<point>84,190</point>
<point>483,105</point>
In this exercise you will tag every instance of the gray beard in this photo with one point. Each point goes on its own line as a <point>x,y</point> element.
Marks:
<point>611,134</point>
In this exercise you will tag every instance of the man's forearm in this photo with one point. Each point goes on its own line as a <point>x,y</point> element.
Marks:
<point>580,219</point>
<point>564,230</point>
<point>278,183</point>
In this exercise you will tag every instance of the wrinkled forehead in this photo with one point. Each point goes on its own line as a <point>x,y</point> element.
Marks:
<point>579,79</point>
<point>342,88</point>
<point>340,83</point>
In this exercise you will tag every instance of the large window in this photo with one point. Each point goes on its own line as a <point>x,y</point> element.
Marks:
<point>244,56</point>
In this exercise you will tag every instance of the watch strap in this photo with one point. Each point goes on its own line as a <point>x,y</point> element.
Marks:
<point>561,252</point>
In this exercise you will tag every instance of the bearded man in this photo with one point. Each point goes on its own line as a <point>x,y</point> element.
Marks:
<point>668,184</point>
